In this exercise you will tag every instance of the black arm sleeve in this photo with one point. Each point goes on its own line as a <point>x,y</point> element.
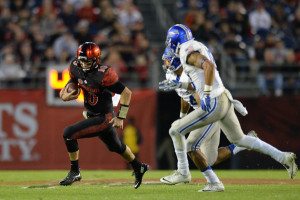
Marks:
<point>117,87</point>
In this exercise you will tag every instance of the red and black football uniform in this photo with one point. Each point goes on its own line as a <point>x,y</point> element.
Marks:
<point>98,86</point>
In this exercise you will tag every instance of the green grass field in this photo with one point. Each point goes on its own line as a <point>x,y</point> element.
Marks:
<point>100,184</point>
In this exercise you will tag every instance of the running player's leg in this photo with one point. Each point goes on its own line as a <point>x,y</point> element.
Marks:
<point>194,120</point>
<point>232,129</point>
<point>86,128</point>
<point>114,144</point>
<point>205,139</point>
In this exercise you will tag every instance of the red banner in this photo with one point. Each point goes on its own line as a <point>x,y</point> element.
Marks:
<point>31,133</point>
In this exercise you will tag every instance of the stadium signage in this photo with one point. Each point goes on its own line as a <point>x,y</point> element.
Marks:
<point>21,137</point>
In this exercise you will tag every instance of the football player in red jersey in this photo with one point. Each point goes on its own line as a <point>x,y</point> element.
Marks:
<point>97,83</point>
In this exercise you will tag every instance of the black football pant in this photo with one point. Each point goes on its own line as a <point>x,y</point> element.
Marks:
<point>97,126</point>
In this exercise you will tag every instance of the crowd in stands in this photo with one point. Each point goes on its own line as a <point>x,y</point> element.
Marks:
<point>262,35</point>
<point>38,34</point>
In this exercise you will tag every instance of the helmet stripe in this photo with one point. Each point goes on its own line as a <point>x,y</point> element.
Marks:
<point>187,31</point>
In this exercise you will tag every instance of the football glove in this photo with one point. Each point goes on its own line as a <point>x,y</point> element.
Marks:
<point>205,102</point>
<point>169,85</point>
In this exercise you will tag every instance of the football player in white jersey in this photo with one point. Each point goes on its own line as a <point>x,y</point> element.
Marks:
<point>201,144</point>
<point>216,102</point>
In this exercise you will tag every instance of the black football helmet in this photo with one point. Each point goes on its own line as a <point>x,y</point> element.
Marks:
<point>88,55</point>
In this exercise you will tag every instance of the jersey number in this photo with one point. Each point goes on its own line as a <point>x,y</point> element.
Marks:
<point>93,99</point>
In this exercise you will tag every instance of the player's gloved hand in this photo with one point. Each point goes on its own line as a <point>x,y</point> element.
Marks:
<point>169,85</point>
<point>205,102</point>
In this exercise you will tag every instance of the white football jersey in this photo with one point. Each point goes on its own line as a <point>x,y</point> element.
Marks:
<point>183,93</point>
<point>197,75</point>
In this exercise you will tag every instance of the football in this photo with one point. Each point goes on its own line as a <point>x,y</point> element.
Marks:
<point>71,87</point>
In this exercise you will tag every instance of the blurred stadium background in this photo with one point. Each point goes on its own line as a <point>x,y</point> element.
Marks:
<point>255,44</point>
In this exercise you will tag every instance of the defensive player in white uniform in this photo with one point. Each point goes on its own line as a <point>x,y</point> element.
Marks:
<point>201,144</point>
<point>216,102</point>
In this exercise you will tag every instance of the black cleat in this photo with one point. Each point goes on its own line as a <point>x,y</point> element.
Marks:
<point>71,178</point>
<point>139,175</point>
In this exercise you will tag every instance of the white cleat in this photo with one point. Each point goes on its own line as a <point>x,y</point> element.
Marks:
<point>290,164</point>
<point>176,178</point>
<point>213,187</point>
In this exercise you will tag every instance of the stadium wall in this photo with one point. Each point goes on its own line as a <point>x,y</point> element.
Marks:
<point>31,132</point>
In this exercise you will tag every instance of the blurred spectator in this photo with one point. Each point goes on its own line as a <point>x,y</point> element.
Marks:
<point>65,47</point>
<point>260,20</point>
<point>115,60</point>
<point>269,79</point>
<point>45,33</point>
<point>10,69</point>
<point>128,14</point>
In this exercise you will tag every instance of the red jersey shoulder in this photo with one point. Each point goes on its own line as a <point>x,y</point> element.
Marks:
<point>110,75</point>
<point>72,67</point>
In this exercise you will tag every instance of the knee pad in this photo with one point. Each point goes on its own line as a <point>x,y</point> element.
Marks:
<point>68,132</point>
<point>174,130</point>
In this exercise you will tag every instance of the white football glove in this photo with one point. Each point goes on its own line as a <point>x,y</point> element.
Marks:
<point>168,85</point>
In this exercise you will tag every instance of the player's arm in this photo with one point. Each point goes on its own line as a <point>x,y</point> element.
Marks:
<point>125,97</point>
<point>68,93</point>
<point>112,83</point>
<point>184,108</point>
<point>200,61</point>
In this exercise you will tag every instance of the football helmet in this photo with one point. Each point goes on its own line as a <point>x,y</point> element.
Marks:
<point>88,55</point>
<point>170,61</point>
<point>177,35</point>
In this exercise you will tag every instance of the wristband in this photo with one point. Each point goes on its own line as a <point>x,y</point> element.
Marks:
<point>181,115</point>
<point>207,89</point>
<point>123,111</point>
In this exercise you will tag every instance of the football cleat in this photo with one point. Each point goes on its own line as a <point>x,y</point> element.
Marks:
<point>176,178</point>
<point>290,164</point>
<point>213,187</point>
<point>139,175</point>
<point>71,178</point>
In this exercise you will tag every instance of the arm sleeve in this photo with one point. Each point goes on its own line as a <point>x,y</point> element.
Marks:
<point>117,87</point>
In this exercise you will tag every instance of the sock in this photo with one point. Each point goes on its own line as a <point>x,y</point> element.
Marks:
<point>263,147</point>
<point>75,166</point>
<point>210,175</point>
<point>182,162</point>
<point>135,164</point>
<point>179,143</point>
<point>235,149</point>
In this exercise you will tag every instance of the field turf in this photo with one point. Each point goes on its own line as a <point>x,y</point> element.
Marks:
<point>102,184</point>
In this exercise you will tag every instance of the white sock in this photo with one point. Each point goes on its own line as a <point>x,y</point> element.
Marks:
<point>238,149</point>
<point>210,175</point>
<point>182,162</point>
<point>180,150</point>
<point>235,149</point>
<point>261,146</point>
